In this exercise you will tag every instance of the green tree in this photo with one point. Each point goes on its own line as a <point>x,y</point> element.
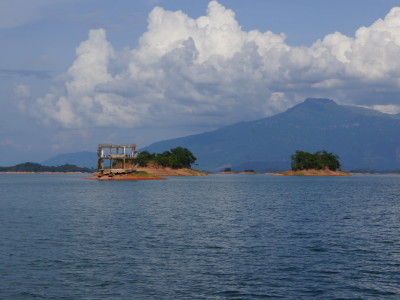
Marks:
<point>145,157</point>
<point>163,159</point>
<point>181,158</point>
<point>175,158</point>
<point>302,160</point>
<point>330,160</point>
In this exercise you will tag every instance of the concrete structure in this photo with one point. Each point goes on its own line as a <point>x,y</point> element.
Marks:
<point>121,159</point>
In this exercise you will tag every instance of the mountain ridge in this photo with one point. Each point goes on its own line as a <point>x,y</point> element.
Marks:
<point>312,125</point>
<point>362,137</point>
<point>84,159</point>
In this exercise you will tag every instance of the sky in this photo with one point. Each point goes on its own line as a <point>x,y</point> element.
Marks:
<point>77,73</point>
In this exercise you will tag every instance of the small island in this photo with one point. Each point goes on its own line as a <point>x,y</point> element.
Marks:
<point>320,163</point>
<point>230,171</point>
<point>127,164</point>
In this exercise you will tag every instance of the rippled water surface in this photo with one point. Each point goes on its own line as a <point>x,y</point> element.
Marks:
<point>215,237</point>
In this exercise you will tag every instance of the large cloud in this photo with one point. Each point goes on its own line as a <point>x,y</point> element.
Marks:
<point>209,71</point>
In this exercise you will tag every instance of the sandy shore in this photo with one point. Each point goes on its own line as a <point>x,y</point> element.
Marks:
<point>160,171</point>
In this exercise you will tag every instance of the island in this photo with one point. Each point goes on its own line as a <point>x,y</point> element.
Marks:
<point>320,163</point>
<point>126,163</point>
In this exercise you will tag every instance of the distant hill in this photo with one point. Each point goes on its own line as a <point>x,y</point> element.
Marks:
<point>84,159</point>
<point>363,138</point>
<point>35,167</point>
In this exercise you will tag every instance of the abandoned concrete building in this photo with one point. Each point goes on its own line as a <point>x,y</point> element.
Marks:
<point>116,159</point>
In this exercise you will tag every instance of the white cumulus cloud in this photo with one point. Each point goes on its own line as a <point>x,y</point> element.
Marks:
<point>210,71</point>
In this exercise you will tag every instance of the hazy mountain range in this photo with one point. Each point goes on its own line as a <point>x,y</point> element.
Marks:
<point>363,138</point>
<point>84,159</point>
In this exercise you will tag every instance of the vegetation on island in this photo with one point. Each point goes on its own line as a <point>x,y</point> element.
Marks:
<point>35,167</point>
<point>229,170</point>
<point>319,160</point>
<point>175,158</point>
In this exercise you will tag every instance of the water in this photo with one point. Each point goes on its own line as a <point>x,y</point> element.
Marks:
<point>215,237</point>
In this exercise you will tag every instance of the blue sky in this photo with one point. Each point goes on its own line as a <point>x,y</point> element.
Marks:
<point>76,73</point>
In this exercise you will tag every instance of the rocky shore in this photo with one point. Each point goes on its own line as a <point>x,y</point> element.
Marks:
<point>133,176</point>
<point>149,173</point>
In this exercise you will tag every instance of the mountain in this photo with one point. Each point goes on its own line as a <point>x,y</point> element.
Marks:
<point>363,138</point>
<point>84,159</point>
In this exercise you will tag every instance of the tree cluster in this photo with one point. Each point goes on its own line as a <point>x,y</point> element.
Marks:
<point>175,158</point>
<point>319,160</point>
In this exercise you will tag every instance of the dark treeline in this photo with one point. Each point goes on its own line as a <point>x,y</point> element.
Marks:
<point>319,160</point>
<point>175,158</point>
<point>35,167</point>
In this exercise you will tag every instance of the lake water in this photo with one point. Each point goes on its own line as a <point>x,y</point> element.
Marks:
<point>215,237</point>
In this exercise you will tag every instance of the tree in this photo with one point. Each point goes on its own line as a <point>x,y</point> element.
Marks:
<point>144,158</point>
<point>175,158</point>
<point>302,160</point>
<point>182,158</point>
<point>163,159</point>
<point>331,160</point>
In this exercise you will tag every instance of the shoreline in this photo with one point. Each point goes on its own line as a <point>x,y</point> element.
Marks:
<point>126,177</point>
<point>149,173</point>
<point>313,172</point>
<point>143,173</point>
<point>26,172</point>
<point>167,171</point>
